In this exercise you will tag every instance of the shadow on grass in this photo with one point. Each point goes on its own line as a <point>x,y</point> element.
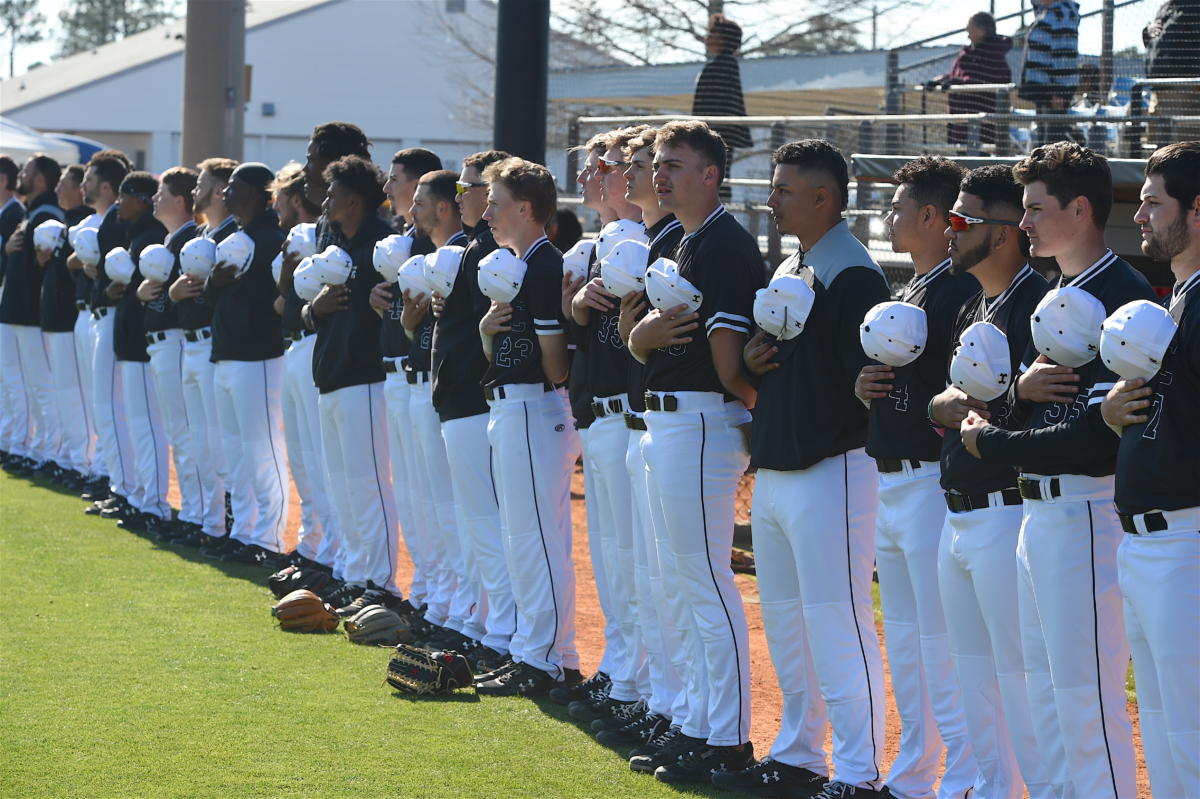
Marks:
<point>460,697</point>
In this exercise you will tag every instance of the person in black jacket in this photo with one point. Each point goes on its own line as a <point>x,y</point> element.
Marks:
<point>1173,51</point>
<point>719,87</point>
<point>247,350</point>
<point>982,61</point>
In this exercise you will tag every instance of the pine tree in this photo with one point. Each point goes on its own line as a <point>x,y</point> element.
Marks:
<point>23,24</point>
<point>87,24</point>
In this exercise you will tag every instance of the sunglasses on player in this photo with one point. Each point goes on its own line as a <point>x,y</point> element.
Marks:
<point>961,223</point>
<point>608,165</point>
<point>462,187</point>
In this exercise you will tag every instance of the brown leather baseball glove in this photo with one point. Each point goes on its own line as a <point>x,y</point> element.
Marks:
<point>303,611</point>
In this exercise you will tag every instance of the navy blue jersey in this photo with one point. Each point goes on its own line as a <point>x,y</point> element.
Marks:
<point>536,312</point>
<point>347,348</point>
<point>579,392</point>
<point>83,283</point>
<point>245,326</point>
<point>1009,311</point>
<point>457,353</point>
<point>57,312</point>
<point>722,261</point>
<point>664,237</point>
<point>129,328</point>
<point>22,297</point>
<point>11,216</point>
<point>1158,461</point>
<point>607,356</point>
<point>1070,438</point>
<point>111,233</point>
<point>806,409</point>
<point>162,313</point>
<point>898,426</point>
<point>197,312</point>
<point>420,349</point>
<point>393,340</point>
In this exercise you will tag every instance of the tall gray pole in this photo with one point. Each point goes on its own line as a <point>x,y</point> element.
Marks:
<point>522,61</point>
<point>214,92</point>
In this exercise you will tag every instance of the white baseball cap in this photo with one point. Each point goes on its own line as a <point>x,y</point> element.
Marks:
<point>236,249</point>
<point>1066,326</point>
<point>666,288</point>
<point>198,257</point>
<point>277,266</point>
<point>49,235</point>
<point>575,260</point>
<point>981,365</point>
<point>156,263</point>
<point>782,308</point>
<point>1135,338</point>
<point>616,232</point>
<point>87,246</point>
<point>305,281</point>
<point>624,270</point>
<point>73,232</point>
<point>411,276</point>
<point>441,268</point>
<point>333,266</point>
<point>302,240</point>
<point>894,333</point>
<point>118,265</point>
<point>500,275</point>
<point>390,254</point>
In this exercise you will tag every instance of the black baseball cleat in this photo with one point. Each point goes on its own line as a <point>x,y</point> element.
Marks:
<point>485,659</point>
<point>702,763</point>
<point>596,706</point>
<point>523,680</point>
<point>566,694</point>
<point>199,539</point>
<point>343,595</point>
<point>250,554</point>
<point>840,790</point>
<point>771,778</point>
<point>95,490</point>
<point>133,521</point>
<point>373,595</point>
<point>636,733</point>
<point>507,665</point>
<point>221,546</point>
<point>666,748</point>
<point>620,715</point>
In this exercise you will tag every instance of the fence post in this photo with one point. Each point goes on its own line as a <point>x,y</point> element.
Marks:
<point>1134,129</point>
<point>893,99</point>
<point>774,241</point>
<point>1004,126</point>
<point>1106,46</point>
<point>572,156</point>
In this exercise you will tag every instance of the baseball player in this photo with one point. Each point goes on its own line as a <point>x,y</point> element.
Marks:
<point>697,397</point>
<point>247,353</point>
<point>976,567</point>
<point>165,347</point>
<point>348,372</point>
<point>35,416</point>
<point>148,498</point>
<point>1158,484</point>
<point>458,366</point>
<point>815,495</point>
<point>528,431</point>
<point>911,509</point>
<point>12,213</point>
<point>59,318</point>
<point>194,311</point>
<point>1073,637</point>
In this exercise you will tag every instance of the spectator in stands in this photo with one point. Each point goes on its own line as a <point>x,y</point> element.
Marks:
<point>564,229</point>
<point>719,88</point>
<point>1173,51</point>
<point>1049,73</point>
<point>981,61</point>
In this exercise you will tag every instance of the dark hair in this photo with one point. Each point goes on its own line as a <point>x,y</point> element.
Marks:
<point>730,33</point>
<point>10,170</point>
<point>74,172</point>
<point>219,168</point>
<point>1179,164</point>
<point>117,154</point>
<point>982,19</point>
<point>416,161</point>
<point>289,181</point>
<point>181,182</point>
<point>933,180</point>
<point>697,136</point>
<point>995,185</point>
<point>527,182</point>
<point>569,230</point>
<point>48,168</point>
<point>441,185</point>
<point>1069,171</point>
<point>360,176</point>
<point>111,167</point>
<point>336,139</point>
<point>142,185</point>
<point>820,155</point>
<point>482,160</point>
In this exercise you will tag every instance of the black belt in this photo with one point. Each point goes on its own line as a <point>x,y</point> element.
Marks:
<point>889,465</point>
<point>634,422</point>
<point>1032,489</point>
<point>100,313</point>
<point>497,393</point>
<point>155,336</point>
<point>298,336</point>
<point>416,377</point>
<point>961,503</point>
<point>199,334</point>
<point>1155,522</point>
<point>81,305</point>
<point>667,402</point>
<point>602,409</point>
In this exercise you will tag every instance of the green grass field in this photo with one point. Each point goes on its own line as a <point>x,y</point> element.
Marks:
<point>134,670</point>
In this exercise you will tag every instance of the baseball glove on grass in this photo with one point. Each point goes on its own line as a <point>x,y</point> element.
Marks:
<point>303,612</point>
<point>293,578</point>
<point>377,625</point>
<point>418,671</point>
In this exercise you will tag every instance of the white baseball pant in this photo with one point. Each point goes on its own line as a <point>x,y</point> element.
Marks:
<point>166,369</point>
<point>977,576</point>
<point>151,470</point>
<point>249,409</point>
<point>606,451</point>
<point>476,504</point>
<point>15,414</point>
<point>527,430</point>
<point>911,515</point>
<point>200,405</point>
<point>1160,578</point>
<point>34,362</point>
<point>353,428</point>
<point>468,607</point>
<point>596,538</point>
<point>113,444</point>
<point>69,402</point>
<point>317,537</point>
<point>696,456</point>
<point>423,591</point>
<point>1073,636</point>
<point>85,349</point>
